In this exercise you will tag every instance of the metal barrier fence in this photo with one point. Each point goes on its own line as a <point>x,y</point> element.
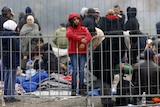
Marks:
<point>104,78</point>
<point>126,75</point>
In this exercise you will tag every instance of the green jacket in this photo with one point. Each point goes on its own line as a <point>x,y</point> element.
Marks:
<point>127,69</point>
<point>60,40</point>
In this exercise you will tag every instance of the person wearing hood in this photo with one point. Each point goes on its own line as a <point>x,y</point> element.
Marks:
<point>83,13</point>
<point>60,42</point>
<point>28,11</point>
<point>147,71</point>
<point>78,38</point>
<point>29,29</point>
<point>132,25</point>
<point>10,58</point>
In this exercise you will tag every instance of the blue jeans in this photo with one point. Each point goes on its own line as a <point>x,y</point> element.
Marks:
<point>78,62</point>
<point>9,83</point>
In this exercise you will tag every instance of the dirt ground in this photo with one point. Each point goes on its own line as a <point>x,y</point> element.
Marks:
<point>53,102</point>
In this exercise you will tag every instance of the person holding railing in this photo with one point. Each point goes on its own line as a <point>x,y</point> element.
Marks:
<point>78,37</point>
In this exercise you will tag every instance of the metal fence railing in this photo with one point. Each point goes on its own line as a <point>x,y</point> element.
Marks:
<point>111,72</point>
<point>126,75</point>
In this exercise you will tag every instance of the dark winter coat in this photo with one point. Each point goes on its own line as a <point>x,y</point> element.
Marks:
<point>146,69</point>
<point>132,23</point>
<point>50,59</point>
<point>89,22</point>
<point>11,50</point>
<point>3,18</point>
<point>158,28</point>
<point>122,18</point>
<point>110,25</point>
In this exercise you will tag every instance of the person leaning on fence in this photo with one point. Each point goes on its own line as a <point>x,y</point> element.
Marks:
<point>28,44</point>
<point>78,37</point>
<point>11,59</point>
<point>147,71</point>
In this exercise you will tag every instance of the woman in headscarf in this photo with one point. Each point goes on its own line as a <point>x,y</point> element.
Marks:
<point>28,43</point>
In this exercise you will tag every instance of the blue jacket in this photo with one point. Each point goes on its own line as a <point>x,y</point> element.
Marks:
<point>11,50</point>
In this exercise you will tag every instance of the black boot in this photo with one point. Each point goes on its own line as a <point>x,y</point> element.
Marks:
<point>73,93</point>
<point>82,89</point>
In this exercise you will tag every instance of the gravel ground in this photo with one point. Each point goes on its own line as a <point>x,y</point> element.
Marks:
<point>53,102</point>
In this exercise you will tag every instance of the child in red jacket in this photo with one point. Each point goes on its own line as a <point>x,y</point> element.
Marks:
<point>78,37</point>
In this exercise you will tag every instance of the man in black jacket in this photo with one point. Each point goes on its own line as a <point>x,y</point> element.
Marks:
<point>7,14</point>
<point>89,21</point>
<point>145,76</point>
<point>120,14</point>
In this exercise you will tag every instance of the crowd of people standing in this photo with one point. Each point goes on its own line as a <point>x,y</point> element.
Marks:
<point>78,32</point>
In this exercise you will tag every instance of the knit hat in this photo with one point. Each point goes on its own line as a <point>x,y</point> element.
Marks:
<point>9,25</point>
<point>28,10</point>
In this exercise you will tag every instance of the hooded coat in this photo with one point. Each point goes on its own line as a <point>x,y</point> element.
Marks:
<point>132,23</point>
<point>75,35</point>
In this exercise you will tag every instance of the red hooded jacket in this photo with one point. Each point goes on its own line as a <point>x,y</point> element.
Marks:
<point>75,35</point>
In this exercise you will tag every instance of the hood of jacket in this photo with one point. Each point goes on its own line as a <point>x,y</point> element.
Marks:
<point>131,12</point>
<point>71,15</point>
